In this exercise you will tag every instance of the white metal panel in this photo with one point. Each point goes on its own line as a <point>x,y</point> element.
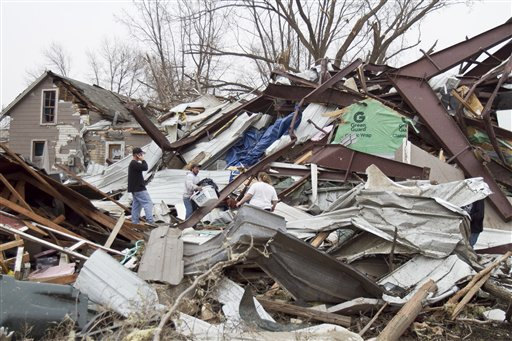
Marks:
<point>112,285</point>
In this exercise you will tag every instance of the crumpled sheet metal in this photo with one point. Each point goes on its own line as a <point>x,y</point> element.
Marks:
<point>112,285</point>
<point>115,176</point>
<point>312,276</point>
<point>413,274</point>
<point>422,224</point>
<point>459,193</point>
<point>308,274</point>
<point>197,329</point>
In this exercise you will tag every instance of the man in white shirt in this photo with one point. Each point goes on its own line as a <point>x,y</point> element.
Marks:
<point>261,194</point>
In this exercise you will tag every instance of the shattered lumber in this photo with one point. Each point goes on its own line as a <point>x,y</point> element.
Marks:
<point>290,309</point>
<point>405,316</point>
<point>476,283</point>
<point>469,290</point>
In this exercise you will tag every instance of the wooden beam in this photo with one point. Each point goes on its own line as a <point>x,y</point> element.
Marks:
<point>86,214</point>
<point>319,239</point>
<point>35,217</point>
<point>405,316</point>
<point>15,193</point>
<point>115,231</point>
<point>20,188</point>
<point>311,314</point>
<point>91,216</point>
<point>59,219</point>
<point>455,298</point>
<point>34,228</point>
<point>469,295</point>
<point>27,236</point>
<point>11,244</point>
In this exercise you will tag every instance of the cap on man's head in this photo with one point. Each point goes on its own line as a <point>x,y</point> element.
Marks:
<point>137,150</point>
<point>194,165</point>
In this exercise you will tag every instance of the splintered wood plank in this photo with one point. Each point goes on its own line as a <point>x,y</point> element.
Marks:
<point>59,219</point>
<point>10,261</point>
<point>35,217</point>
<point>311,314</point>
<point>319,239</point>
<point>303,158</point>
<point>115,231</point>
<point>65,279</point>
<point>11,244</point>
<point>18,265</point>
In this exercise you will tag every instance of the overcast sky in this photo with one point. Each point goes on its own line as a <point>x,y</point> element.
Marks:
<point>27,27</point>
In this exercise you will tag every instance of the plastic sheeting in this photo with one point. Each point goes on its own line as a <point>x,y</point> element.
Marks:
<point>251,155</point>
<point>238,151</point>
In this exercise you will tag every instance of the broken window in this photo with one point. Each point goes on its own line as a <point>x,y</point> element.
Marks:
<point>49,108</point>
<point>115,151</point>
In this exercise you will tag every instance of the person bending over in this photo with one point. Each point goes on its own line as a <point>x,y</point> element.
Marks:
<point>261,194</point>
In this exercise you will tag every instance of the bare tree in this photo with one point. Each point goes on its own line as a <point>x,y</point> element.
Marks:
<point>58,59</point>
<point>196,46</point>
<point>117,67</point>
<point>154,28</point>
<point>294,33</point>
<point>55,58</point>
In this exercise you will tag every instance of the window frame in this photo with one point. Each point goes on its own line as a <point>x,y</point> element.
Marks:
<point>107,149</point>
<point>32,149</point>
<point>55,108</point>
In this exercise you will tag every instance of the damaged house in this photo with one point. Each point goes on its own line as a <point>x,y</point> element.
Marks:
<point>373,167</point>
<point>62,121</point>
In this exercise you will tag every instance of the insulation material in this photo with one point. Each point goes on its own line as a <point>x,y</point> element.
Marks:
<point>379,130</point>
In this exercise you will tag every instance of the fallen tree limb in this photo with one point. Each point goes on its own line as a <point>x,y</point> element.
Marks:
<point>405,316</point>
<point>361,333</point>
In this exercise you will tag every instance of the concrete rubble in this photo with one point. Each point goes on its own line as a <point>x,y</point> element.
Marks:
<point>370,226</point>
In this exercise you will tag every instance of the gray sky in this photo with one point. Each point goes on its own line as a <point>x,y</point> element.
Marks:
<point>27,27</point>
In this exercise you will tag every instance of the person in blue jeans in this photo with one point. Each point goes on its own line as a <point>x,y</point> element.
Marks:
<point>137,188</point>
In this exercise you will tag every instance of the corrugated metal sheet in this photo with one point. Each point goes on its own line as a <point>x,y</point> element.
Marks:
<point>305,131</point>
<point>413,274</point>
<point>115,177</point>
<point>206,101</point>
<point>112,285</point>
<point>313,112</point>
<point>163,256</point>
<point>168,185</point>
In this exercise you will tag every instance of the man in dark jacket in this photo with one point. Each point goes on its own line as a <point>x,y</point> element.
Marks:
<point>137,187</point>
<point>477,220</point>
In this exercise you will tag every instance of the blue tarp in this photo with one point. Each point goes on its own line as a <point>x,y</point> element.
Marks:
<point>251,147</point>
